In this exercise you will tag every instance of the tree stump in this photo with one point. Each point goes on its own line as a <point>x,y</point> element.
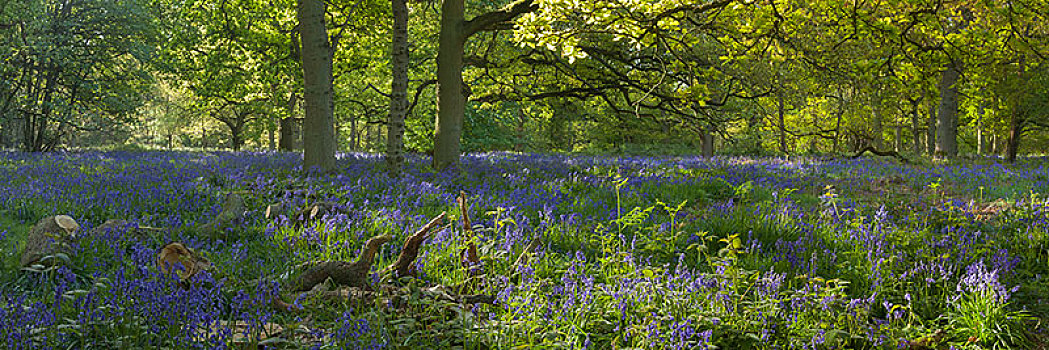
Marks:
<point>232,210</point>
<point>50,236</point>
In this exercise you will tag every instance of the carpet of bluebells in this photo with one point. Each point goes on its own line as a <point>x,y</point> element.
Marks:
<point>646,252</point>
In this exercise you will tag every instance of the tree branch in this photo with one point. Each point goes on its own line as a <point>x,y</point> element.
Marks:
<point>492,20</point>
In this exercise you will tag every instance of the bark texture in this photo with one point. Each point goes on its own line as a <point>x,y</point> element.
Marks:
<point>708,143</point>
<point>451,104</point>
<point>50,236</point>
<point>410,251</point>
<point>916,130</point>
<point>398,89</point>
<point>947,115</point>
<point>290,134</point>
<point>930,138</point>
<point>1012,144</point>
<point>318,127</point>
<point>344,273</point>
<point>451,94</point>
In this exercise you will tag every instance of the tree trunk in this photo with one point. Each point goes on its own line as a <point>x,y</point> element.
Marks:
<point>898,144</point>
<point>994,143</point>
<point>930,138</point>
<point>878,132</point>
<point>979,132</point>
<point>318,126</point>
<point>203,134</point>
<point>837,127</point>
<point>355,135</point>
<point>1012,145</point>
<point>289,134</point>
<point>398,89</point>
<point>37,125</point>
<point>780,109</point>
<point>451,94</point>
<point>451,104</point>
<point>272,131</point>
<point>708,143</point>
<point>947,115</point>
<point>236,137</point>
<point>916,131</point>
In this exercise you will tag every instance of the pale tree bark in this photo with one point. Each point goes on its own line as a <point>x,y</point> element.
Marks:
<point>897,144</point>
<point>979,132</point>
<point>994,143</point>
<point>271,130</point>
<point>318,139</point>
<point>398,89</point>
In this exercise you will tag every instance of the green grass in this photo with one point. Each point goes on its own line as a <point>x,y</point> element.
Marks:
<point>12,244</point>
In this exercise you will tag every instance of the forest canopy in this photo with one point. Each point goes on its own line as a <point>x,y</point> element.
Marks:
<point>676,76</point>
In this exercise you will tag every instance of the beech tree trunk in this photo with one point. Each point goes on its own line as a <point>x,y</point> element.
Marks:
<point>878,132</point>
<point>451,99</point>
<point>318,139</point>
<point>708,143</point>
<point>930,139</point>
<point>236,138</point>
<point>398,88</point>
<point>947,115</point>
<point>451,104</point>
<point>289,134</point>
<point>981,146</point>
<point>994,143</point>
<point>916,131</point>
<point>781,110</point>
<point>14,127</point>
<point>837,127</point>
<point>898,142</point>
<point>1012,145</point>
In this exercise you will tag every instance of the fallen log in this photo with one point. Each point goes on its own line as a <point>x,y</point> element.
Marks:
<point>353,279</point>
<point>876,152</point>
<point>353,274</point>
<point>410,250</point>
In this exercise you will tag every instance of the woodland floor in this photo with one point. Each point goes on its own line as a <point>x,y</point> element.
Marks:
<point>556,252</point>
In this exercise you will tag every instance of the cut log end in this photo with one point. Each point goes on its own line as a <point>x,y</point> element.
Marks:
<point>67,223</point>
<point>50,236</point>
